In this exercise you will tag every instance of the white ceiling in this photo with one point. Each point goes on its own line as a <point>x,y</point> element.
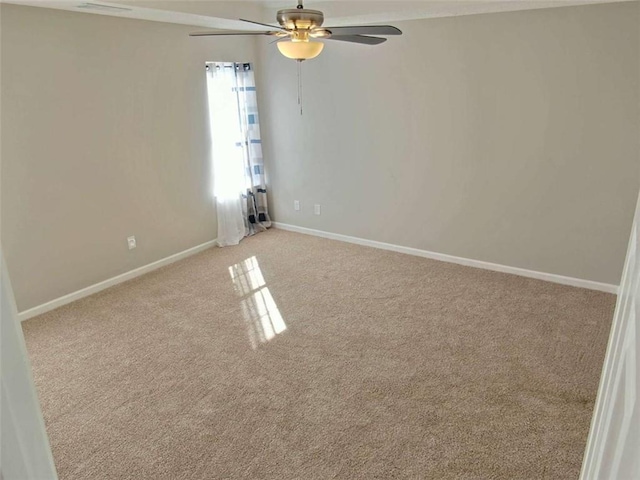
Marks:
<point>224,14</point>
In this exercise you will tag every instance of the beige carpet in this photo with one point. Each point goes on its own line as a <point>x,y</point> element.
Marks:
<point>294,357</point>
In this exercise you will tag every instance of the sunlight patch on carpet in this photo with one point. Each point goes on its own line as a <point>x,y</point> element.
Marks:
<point>259,309</point>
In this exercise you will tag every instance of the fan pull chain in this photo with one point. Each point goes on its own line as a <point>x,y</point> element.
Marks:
<point>300,85</point>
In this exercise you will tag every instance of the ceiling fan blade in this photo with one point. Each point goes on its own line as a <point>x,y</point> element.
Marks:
<point>364,30</point>
<point>230,32</point>
<point>262,24</point>
<point>319,33</point>
<point>358,39</point>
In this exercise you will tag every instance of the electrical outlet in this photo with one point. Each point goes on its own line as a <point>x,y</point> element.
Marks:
<point>296,204</point>
<point>131,241</point>
<point>316,209</point>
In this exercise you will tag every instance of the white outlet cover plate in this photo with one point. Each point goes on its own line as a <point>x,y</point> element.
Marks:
<point>131,241</point>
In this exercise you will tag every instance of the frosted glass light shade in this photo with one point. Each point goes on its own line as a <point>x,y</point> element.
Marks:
<point>300,50</point>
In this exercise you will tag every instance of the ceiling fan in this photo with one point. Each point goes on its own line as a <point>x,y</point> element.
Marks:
<point>299,26</point>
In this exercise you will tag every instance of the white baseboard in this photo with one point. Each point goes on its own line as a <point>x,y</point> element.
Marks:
<point>549,277</point>
<point>90,290</point>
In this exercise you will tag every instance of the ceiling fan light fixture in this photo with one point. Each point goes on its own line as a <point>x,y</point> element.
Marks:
<point>300,50</point>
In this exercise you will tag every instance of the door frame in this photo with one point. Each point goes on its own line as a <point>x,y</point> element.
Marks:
<point>609,444</point>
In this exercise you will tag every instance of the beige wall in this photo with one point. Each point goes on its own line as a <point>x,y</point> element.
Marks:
<point>510,138</point>
<point>104,135</point>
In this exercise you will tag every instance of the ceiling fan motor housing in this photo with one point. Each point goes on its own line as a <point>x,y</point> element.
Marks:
<point>300,19</point>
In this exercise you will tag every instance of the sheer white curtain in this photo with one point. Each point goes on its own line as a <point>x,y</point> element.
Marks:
<point>228,162</point>
<point>238,169</point>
